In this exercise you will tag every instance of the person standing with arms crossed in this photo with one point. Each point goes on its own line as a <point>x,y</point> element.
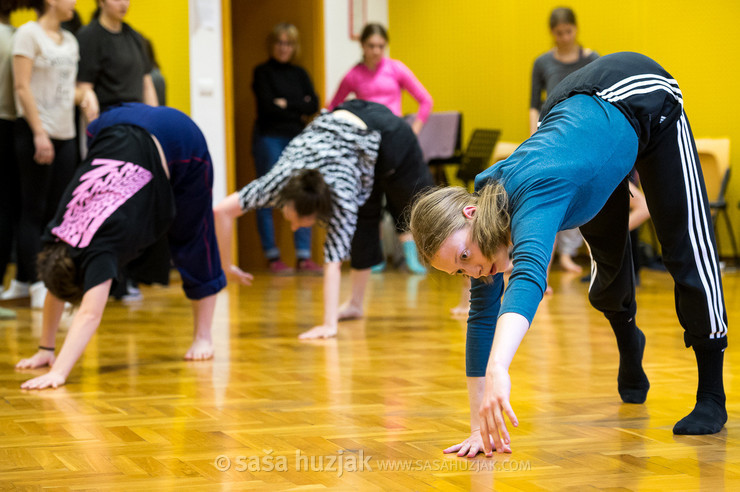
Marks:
<point>285,100</point>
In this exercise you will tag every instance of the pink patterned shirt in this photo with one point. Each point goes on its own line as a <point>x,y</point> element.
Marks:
<point>383,85</point>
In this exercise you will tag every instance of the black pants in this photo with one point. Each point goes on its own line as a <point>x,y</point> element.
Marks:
<point>400,189</point>
<point>42,186</point>
<point>10,195</point>
<point>671,177</point>
<point>400,174</point>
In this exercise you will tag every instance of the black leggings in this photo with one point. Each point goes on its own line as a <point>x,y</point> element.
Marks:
<point>42,186</point>
<point>10,195</point>
<point>674,189</point>
<point>400,186</point>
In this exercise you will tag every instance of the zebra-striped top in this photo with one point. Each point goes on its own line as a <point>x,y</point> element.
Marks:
<point>345,155</point>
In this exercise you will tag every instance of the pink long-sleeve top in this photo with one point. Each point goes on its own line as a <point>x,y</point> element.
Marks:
<point>384,85</point>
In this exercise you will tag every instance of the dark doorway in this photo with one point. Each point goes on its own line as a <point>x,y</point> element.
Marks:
<point>252,21</point>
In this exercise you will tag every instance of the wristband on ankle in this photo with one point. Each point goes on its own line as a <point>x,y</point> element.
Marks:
<point>50,349</point>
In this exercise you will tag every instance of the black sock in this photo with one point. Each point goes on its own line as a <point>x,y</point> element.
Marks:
<point>632,383</point>
<point>709,415</point>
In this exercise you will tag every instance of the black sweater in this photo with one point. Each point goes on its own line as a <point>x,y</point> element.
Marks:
<point>283,80</point>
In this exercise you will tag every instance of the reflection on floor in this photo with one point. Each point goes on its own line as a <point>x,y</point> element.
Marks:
<point>370,409</point>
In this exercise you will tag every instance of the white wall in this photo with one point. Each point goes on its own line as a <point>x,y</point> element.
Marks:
<point>342,53</point>
<point>207,70</point>
<point>207,84</point>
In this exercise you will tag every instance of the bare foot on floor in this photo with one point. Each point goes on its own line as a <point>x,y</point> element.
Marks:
<point>201,349</point>
<point>321,331</point>
<point>349,311</point>
<point>567,264</point>
<point>460,311</point>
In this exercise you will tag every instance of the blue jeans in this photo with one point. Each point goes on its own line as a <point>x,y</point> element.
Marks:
<point>266,151</point>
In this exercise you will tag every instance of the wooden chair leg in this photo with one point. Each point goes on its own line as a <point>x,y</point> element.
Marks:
<point>728,223</point>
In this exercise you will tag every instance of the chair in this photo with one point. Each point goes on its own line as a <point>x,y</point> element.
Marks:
<point>478,155</point>
<point>714,157</point>
<point>440,141</point>
<point>503,150</point>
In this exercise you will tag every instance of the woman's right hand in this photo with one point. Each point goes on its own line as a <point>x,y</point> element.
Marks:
<point>236,274</point>
<point>471,446</point>
<point>494,407</point>
<point>39,359</point>
<point>44,149</point>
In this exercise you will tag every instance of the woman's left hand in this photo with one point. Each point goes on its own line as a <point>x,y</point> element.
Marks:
<point>417,125</point>
<point>49,380</point>
<point>89,106</point>
<point>44,149</point>
<point>237,275</point>
<point>493,407</point>
<point>40,359</point>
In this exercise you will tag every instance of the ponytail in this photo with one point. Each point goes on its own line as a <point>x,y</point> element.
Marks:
<point>439,213</point>
<point>491,227</point>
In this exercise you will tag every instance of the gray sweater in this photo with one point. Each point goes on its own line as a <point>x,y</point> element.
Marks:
<point>548,72</point>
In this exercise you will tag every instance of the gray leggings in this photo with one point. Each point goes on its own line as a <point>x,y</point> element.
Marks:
<point>569,241</point>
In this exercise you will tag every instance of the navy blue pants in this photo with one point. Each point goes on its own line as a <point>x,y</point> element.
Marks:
<point>192,235</point>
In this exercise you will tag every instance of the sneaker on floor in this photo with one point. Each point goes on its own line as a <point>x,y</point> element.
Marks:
<point>38,295</point>
<point>17,290</point>
<point>133,293</point>
<point>308,266</point>
<point>277,267</point>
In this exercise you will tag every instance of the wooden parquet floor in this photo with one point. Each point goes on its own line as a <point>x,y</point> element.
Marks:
<point>371,410</point>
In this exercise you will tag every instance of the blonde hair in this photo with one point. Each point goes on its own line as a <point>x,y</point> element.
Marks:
<point>288,29</point>
<point>439,213</point>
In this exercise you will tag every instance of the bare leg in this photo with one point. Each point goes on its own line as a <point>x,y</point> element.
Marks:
<point>353,307</point>
<point>567,264</point>
<point>202,347</point>
<point>405,236</point>
<point>463,307</point>
<point>568,243</point>
<point>410,254</point>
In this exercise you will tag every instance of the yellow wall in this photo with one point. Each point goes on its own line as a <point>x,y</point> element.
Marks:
<point>165,23</point>
<point>476,56</point>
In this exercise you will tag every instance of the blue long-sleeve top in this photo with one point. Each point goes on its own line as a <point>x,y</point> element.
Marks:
<point>558,179</point>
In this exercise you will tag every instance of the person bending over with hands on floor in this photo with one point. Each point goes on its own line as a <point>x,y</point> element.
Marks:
<point>620,111</point>
<point>336,171</point>
<point>147,173</point>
